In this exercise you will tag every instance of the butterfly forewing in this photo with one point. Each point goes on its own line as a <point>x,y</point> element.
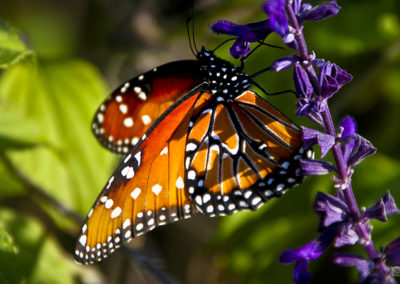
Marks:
<point>133,107</point>
<point>241,153</point>
<point>146,190</point>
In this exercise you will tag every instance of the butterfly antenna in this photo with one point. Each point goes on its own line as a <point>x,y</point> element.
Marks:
<point>222,43</point>
<point>194,41</point>
<point>188,33</point>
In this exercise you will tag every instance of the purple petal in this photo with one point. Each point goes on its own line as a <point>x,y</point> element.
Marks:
<point>250,32</point>
<point>296,6</point>
<point>390,205</point>
<point>304,107</point>
<point>284,63</point>
<point>364,266</point>
<point>377,278</point>
<point>346,236</point>
<point>277,16</point>
<point>311,137</point>
<point>330,209</point>
<point>392,252</point>
<point>239,49</point>
<point>302,82</point>
<point>311,167</point>
<point>349,126</point>
<point>303,255</point>
<point>320,12</point>
<point>318,62</point>
<point>382,208</point>
<point>377,211</point>
<point>362,149</point>
<point>331,79</point>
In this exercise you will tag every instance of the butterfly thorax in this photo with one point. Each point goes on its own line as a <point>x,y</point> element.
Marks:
<point>223,77</point>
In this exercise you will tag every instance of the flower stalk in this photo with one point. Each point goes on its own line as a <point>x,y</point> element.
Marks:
<point>316,81</point>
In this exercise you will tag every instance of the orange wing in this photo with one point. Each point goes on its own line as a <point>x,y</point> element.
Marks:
<point>147,189</point>
<point>133,107</point>
<point>240,153</point>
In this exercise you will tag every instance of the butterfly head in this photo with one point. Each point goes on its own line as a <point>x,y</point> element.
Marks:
<point>223,77</point>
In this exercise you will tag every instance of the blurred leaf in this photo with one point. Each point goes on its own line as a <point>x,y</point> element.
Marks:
<point>10,271</point>
<point>42,260</point>
<point>7,143</point>
<point>10,186</point>
<point>12,49</point>
<point>58,99</point>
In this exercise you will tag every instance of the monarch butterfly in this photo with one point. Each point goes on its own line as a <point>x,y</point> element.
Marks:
<point>196,139</point>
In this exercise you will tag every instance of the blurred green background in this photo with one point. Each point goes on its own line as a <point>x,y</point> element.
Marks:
<point>60,59</point>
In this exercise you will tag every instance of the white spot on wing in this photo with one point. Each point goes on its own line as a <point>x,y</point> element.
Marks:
<point>135,193</point>
<point>179,183</point>
<point>127,223</point>
<point>164,151</point>
<point>116,212</point>
<point>128,122</point>
<point>100,117</point>
<point>146,119</point>
<point>82,240</point>
<point>109,203</point>
<point>123,108</point>
<point>156,189</point>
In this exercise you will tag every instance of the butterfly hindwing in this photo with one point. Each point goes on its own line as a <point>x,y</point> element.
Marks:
<point>240,153</point>
<point>133,107</point>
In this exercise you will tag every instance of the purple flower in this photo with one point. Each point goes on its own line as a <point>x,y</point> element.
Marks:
<point>362,149</point>
<point>277,16</point>
<point>382,208</point>
<point>331,79</point>
<point>302,82</point>
<point>303,255</point>
<point>312,136</point>
<point>364,266</point>
<point>392,252</point>
<point>284,63</point>
<point>349,126</point>
<point>311,167</point>
<point>251,32</point>
<point>330,209</point>
<point>317,13</point>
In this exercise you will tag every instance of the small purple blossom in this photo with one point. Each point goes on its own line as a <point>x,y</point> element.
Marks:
<point>331,79</point>
<point>302,82</point>
<point>349,129</point>
<point>364,266</point>
<point>303,255</point>
<point>277,16</point>
<point>382,208</point>
<point>317,13</point>
<point>284,63</point>
<point>392,252</point>
<point>251,32</point>
<point>310,167</point>
<point>312,136</point>
<point>330,209</point>
<point>362,149</point>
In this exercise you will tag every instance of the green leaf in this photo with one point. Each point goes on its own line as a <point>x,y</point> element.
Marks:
<point>12,49</point>
<point>58,100</point>
<point>40,259</point>
<point>10,269</point>
<point>9,143</point>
